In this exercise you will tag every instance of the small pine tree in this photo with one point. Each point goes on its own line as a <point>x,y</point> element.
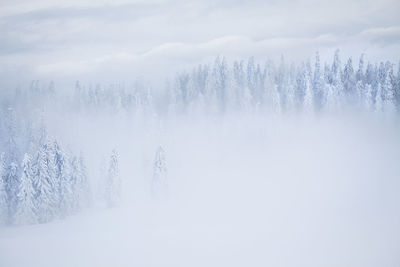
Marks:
<point>159,182</point>
<point>113,183</point>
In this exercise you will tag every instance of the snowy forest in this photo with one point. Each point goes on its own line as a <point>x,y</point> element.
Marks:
<point>251,86</point>
<point>42,179</point>
<point>185,133</point>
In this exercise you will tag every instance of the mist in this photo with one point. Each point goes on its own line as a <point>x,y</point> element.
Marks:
<point>212,133</point>
<point>241,190</point>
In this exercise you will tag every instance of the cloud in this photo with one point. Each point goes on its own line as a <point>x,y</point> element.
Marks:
<point>81,37</point>
<point>384,36</point>
<point>166,59</point>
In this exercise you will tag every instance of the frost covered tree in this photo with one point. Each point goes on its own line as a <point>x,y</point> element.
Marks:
<point>368,98</point>
<point>290,88</point>
<point>45,184</point>
<point>26,211</point>
<point>159,183</point>
<point>397,88</point>
<point>388,89</point>
<point>113,182</point>
<point>336,87</point>
<point>360,89</point>
<point>349,80</point>
<point>64,182</point>
<point>371,85</point>
<point>308,103</point>
<point>11,130</point>
<point>220,82</point>
<point>12,181</point>
<point>378,99</point>
<point>82,184</point>
<point>3,192</point>
<point>318,83</point>
<point>239,84</point>
<point>11,176</point>
<point>74,179</point>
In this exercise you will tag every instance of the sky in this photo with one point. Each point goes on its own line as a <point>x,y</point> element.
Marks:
<point>120,40</point>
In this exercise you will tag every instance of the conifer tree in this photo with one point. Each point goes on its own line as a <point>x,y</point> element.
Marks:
<point>159,182</point>
<point>113,184</point>
<point>3,192</point>
<point>63,179</point>
<point>44,184</point>
<point>83,188</point>
<point>26,211</point>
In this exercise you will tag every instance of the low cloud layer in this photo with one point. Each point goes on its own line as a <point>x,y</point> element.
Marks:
<point>120,40</point>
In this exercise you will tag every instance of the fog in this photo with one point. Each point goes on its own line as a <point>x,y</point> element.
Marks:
<point>199,133</point>
<point>242,190</point>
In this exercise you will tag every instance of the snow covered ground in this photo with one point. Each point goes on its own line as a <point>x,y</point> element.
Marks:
<point>242,191</point>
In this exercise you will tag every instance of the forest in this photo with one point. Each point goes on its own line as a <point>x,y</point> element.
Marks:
<point>42,178</point>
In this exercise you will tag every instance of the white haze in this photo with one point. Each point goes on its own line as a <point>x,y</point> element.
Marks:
<point>243,190</point>
<point>253,179</point>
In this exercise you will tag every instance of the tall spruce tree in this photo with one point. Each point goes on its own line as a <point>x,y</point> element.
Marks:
<point>63,180</point>
<point>26,211</point>
<point>44,184</point>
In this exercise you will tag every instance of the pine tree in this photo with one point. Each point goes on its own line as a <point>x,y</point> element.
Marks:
<point>389,90</point>
<point>63,179</point>
<point>318,83</point>
<point>378,99</point>
<point>368,99</point>
<point>82,188</point>
<point>290,90</point>
<point>10,123</point>
<point>276,99</point>
<point>371,86</point>
<point>397,91</point>
<point>337,91</point>
<point>113,184</point>
<point>26,213</point>
<point>101,185</point>
<point>360,82</point>
<point>12,181</point>
<point>44,184</point>
<point>11,160</point>
<point>308,103</point>
<point>239,83</point>
<point>349,80</point>
<point>3,192</point>
<point>220,79</point>
<point>159,182</point>
<point>74,179</point>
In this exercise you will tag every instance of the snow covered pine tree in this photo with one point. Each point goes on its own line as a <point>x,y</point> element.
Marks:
<point>159,183</point>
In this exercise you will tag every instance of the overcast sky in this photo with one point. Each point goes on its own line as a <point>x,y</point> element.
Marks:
<point>118,39</point>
